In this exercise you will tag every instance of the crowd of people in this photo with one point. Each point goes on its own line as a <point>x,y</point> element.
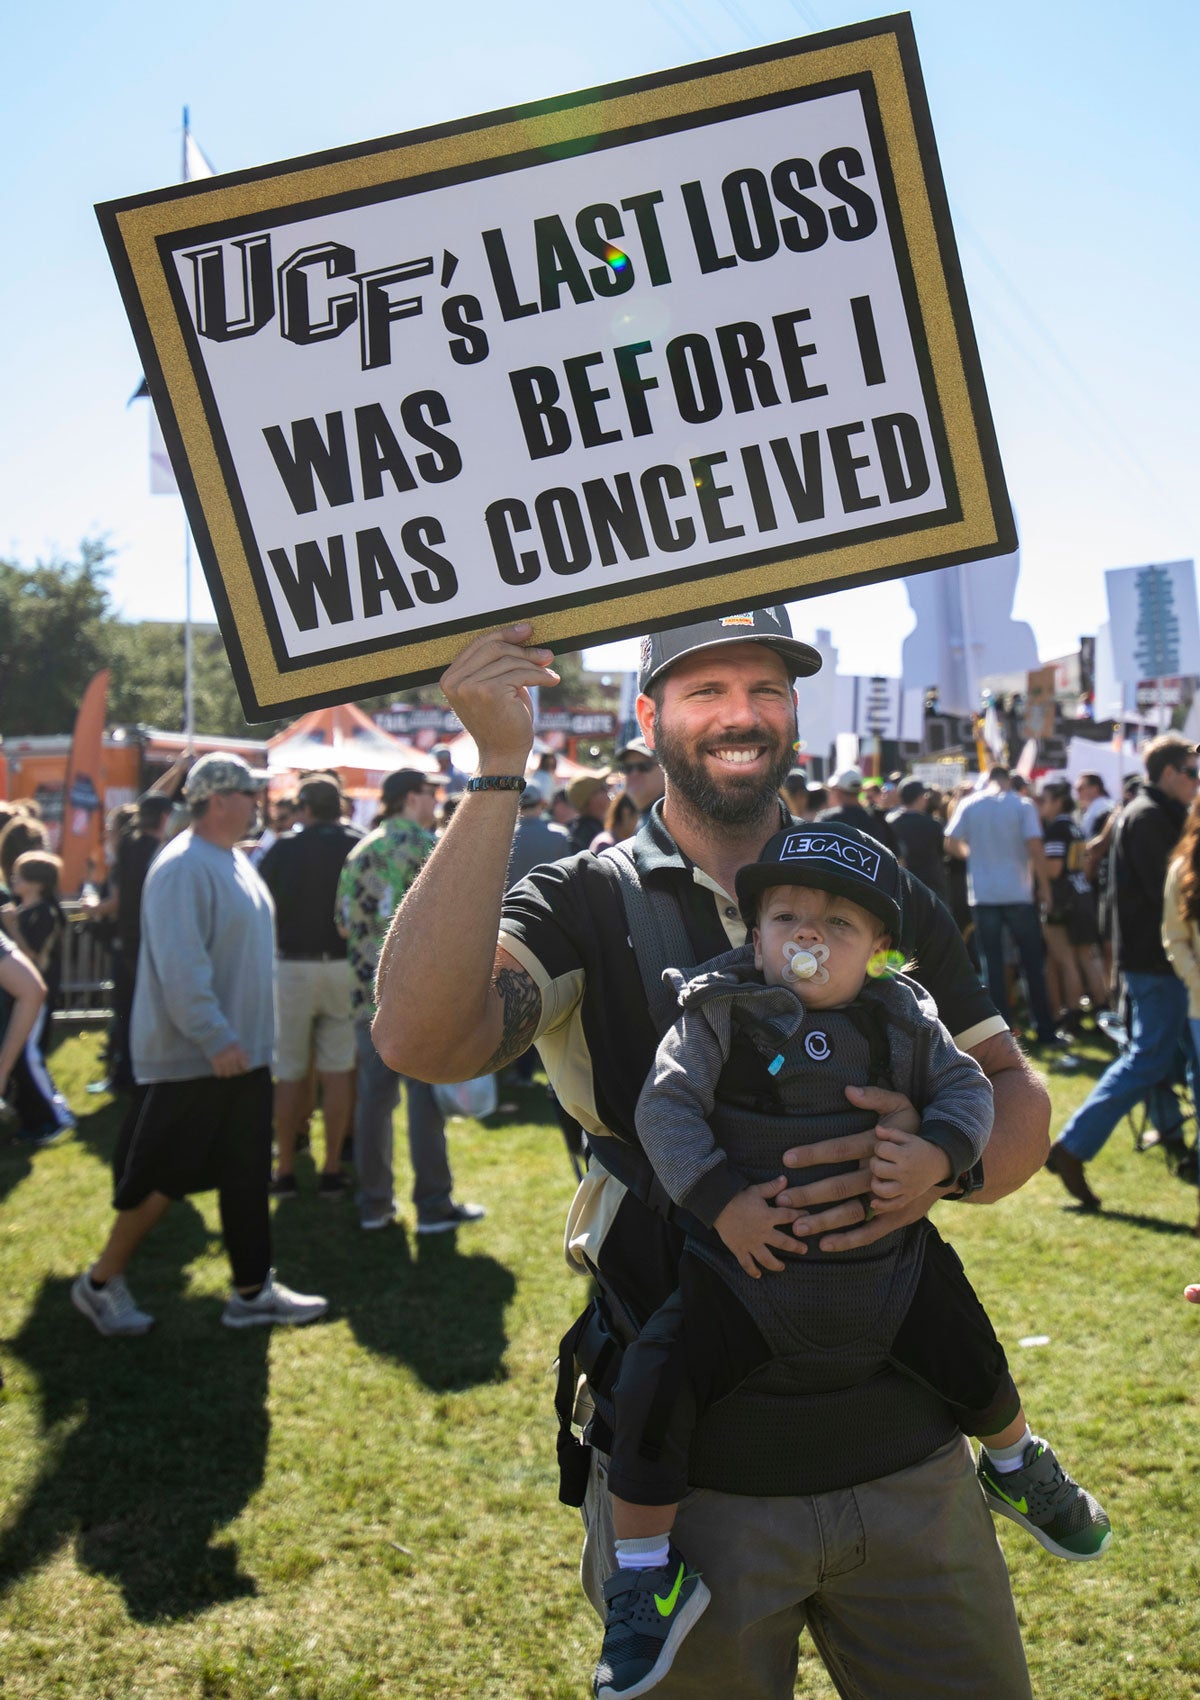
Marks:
<point>783,1015</point>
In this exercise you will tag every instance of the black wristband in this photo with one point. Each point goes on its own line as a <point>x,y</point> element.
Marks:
<point>965,1184</point>
<point>496,782</point>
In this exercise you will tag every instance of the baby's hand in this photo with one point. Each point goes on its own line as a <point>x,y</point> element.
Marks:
<point>903,1167</point>
<point>750,1226</point>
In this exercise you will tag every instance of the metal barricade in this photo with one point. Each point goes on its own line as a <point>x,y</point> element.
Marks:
<point>87,984</point>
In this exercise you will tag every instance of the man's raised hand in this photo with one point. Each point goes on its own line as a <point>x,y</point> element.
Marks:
<point>488,687</point>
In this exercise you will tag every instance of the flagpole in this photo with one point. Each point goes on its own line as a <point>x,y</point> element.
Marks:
<point>189,701</point>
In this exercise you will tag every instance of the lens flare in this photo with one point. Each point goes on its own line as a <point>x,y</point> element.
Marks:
<point>885,963</point>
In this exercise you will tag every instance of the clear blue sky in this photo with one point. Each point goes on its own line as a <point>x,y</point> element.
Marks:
<point>1068,135</point>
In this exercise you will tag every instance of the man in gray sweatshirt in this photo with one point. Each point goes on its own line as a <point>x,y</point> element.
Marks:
<point>203,1035</point>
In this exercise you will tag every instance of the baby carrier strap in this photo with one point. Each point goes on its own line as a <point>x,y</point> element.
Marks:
<point>656,932</point>
<point>871,1020</point>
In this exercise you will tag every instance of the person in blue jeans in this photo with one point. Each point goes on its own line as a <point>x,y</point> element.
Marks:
<point>1145,836</point>
<point>999,836</point>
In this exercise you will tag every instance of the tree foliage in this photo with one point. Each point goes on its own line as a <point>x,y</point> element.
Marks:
<point>52,638</point>
<point>58,627</point>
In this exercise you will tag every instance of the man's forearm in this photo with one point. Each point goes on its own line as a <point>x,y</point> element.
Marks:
<point>1021,1125</point>
<point>438,1018</point>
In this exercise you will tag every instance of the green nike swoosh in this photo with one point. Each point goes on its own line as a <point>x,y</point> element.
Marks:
<point>1017,1504</point>
<point>667,1606</point>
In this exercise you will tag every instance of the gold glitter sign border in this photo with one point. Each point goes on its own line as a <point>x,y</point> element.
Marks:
<point>883,52</point>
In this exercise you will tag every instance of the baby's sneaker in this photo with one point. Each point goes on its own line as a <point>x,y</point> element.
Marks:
<point>648,1614</point>
<point>1042,1498</point>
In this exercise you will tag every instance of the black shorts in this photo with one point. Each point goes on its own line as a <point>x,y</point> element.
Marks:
<point>184,1136</point>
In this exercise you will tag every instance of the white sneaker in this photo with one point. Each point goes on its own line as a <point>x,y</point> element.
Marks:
<point>275,1303</point>
<point>110,1307</point>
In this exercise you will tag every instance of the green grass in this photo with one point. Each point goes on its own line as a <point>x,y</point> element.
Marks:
<point>368,1507</point>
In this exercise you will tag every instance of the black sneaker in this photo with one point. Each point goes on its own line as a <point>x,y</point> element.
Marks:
<point>283,1186</point>
<point>336,1185</point>
<point>648,1614</point>
<point>452,1218</point>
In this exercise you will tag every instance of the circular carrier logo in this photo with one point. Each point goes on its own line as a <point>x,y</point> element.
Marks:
<point>817,1045</point>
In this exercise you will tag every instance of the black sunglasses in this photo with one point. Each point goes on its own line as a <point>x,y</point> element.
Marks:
<point>638,766</point>
<point>1192,772</point>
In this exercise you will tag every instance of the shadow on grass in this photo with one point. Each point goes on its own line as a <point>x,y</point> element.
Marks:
<point>16,1161</point>
<point>420,1302</point>
<point>97,1129</point>
<point>150,1445</point>
<point>1152,1224</point>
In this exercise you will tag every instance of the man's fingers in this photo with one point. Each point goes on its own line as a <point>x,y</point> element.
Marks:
<point>831,1190</point>
<point>885,1134</point>
<point>853,1239</point>
<point>877,1098</point>
<point>768,1260</point>
<point>883,1222</point>
<point>847,1215</point>
<point>851,1148</point>
<point>748,1264</point>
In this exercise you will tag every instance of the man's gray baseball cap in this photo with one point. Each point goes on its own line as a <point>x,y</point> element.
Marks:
<point>221,772</point>
<point>767,626</point>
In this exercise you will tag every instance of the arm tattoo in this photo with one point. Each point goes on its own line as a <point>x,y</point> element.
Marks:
<point>522,1002</point>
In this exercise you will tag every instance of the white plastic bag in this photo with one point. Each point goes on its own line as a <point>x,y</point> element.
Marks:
<point>475,1098</point>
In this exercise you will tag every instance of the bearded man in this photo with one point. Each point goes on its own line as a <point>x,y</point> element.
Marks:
<point>875,1537</point>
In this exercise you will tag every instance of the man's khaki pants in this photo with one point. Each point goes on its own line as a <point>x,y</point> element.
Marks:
<point>900,1582</point>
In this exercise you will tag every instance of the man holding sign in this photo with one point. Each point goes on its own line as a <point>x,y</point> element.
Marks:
<point>814,1512</point>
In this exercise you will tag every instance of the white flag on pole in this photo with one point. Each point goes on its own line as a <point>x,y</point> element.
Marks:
<point>162,476</point>
<point>195,164</point>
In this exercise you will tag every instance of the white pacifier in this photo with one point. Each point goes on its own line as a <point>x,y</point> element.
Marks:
<point>801,964</point>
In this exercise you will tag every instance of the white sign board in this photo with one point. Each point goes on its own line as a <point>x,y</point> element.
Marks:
<point>603,363</point>
<point>1153,624</point>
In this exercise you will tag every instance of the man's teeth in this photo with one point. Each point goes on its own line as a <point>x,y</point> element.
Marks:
<point>740,757</point>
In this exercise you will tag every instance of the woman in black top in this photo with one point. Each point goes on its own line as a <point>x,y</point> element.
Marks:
<point>1071,929</point>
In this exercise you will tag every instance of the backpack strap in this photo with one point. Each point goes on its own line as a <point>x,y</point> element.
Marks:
<point>659,939</point>
<point>656,932</point>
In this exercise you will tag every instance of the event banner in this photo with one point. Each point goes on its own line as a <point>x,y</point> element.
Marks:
<point>687,343</point>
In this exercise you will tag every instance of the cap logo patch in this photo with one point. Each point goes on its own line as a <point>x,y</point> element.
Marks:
<point>826,847</point>
<point>738,620</point>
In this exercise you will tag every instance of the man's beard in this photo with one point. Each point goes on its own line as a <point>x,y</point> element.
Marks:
<point>733,801</point>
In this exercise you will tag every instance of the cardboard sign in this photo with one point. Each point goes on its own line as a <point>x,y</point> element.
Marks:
<point>680,344</point>
<point>1040,704</point>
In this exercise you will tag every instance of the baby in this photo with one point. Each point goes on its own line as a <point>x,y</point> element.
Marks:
<point>769,1038</point>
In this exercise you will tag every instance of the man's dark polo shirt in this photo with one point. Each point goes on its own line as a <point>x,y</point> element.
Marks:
<point>866,820</point>
<point>301,870</point>
<point>135,852</point>
<point>922,842</point>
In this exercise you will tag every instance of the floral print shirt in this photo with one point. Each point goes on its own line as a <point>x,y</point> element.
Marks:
<point>375,877</point>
